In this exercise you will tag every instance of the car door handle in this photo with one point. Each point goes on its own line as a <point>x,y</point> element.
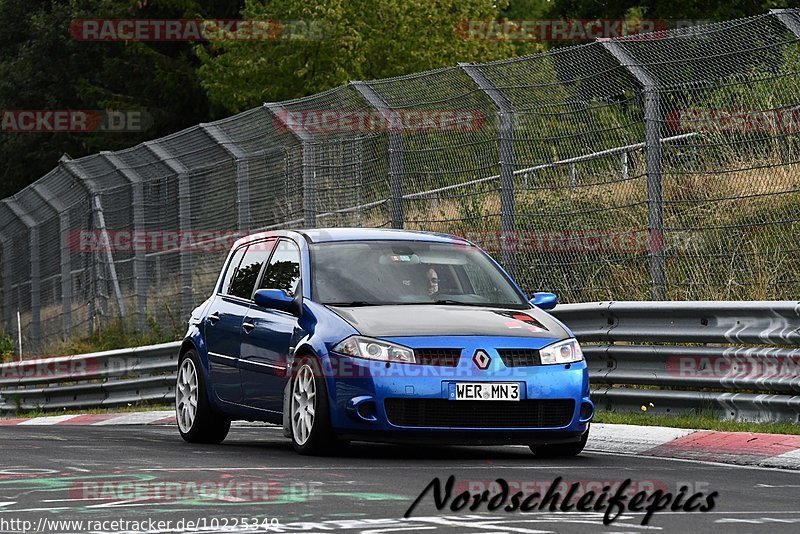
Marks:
<point>213,318</point>
<point>247,327</point>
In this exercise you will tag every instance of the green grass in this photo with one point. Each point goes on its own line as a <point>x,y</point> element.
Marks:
<point>701,421</point>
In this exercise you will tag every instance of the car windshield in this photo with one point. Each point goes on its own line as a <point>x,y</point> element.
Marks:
<point>364,273</point>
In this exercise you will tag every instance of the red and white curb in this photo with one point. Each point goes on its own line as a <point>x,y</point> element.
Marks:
<point>743,448</point>
<point>99,419</point>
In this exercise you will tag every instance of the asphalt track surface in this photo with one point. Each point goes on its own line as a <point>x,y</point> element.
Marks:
<point>148,474</point>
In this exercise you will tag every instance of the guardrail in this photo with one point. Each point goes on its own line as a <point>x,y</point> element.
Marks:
<point>737,360</point>
<point>96,380</point>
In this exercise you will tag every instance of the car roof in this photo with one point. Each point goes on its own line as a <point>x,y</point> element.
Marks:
<point>325,235</point>
<point>329,235</point>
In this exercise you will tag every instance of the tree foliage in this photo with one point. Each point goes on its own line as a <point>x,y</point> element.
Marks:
<point>43,68</point>
<point>360,40</point>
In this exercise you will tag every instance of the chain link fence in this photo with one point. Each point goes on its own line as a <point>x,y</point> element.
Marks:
<point>659,166</point>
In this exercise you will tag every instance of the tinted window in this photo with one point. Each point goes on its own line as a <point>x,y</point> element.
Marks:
<point>246,275</point>
<point>283,271</point>
<point>232,267</point>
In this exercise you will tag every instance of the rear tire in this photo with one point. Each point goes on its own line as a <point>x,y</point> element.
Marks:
<point>309,413</point>
<point>560,450</point>
<point>197,422</point>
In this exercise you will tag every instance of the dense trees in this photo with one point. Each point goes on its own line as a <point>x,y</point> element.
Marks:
<point>320,44</point>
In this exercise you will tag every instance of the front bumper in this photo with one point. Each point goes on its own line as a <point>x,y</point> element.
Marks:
<point>359,391</point>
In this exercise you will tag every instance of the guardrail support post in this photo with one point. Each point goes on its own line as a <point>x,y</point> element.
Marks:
<point>242,173</point>
<point>184,219</point>
<point>66,271</point>
<point>505,112</point>
<point>653,164</point>
<point>33,241</point>
<point>139,258</point>
<point>377,102</point>
<point>309,165</point>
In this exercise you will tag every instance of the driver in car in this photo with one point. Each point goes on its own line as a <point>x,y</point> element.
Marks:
<point>432,278</point>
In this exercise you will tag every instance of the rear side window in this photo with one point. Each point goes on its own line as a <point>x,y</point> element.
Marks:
<point>246,275</point>
<point>232,267</point>
<point>283,271</point>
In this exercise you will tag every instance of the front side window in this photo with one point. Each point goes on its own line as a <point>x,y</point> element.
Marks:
<point>283,271</point>
<point>246,275</point>
<point>233,266</point>
<point>408,272</point>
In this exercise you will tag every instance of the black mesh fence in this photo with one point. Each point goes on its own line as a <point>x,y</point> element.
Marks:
<point>658,166</point>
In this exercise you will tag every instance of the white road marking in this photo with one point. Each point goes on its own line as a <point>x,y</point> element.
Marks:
<point>632,438</point>
<point>135,418</point>
<point>51,420</point>
<point>483,525</point>
<point>789,459</point>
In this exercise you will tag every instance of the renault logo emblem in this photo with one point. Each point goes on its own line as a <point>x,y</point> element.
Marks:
<point>481,359</point>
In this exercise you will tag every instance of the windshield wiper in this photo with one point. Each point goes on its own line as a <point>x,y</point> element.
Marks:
<point>451,301</point>
<point>352,304</point>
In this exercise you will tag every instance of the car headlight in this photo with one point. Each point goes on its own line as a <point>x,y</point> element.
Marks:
<point>375,349</point>
<point>562,352</point>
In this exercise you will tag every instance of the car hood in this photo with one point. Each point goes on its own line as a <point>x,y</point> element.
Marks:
<point>444,320</point>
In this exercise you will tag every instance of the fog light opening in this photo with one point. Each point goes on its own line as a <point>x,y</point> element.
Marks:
<point>367,410</point>
<point>586,410</point>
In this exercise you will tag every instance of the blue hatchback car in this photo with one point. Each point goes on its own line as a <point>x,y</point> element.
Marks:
<point>380,335</point>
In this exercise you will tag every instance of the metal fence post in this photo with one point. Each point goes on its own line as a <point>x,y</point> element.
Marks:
<point>99,220</point>
<point>7,269</point>
<point>184,219</point>
<point>505,112</point>
<point>139,258</point>
<point>377,102</point>
<point>653,165</point>
<point>33,240</point>
<point>242,173</point>
<point>309,165</point>
<point>66,272</point>
<point>624,171</point>
<point>789,18</point>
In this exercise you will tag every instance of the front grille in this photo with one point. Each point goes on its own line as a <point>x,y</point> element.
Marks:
<point>445,413</point>
<point>519,357</point>
<point>440,357</point>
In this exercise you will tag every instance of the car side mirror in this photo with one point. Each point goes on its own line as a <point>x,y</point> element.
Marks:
<point>544,301</point>
<point>277,299</point>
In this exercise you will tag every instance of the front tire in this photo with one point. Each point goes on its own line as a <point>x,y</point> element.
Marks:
<point>560,450</point>
<point>309,414</point>
<point>197,422</point>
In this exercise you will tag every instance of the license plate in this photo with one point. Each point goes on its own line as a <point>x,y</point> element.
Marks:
<point>489,391</point>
